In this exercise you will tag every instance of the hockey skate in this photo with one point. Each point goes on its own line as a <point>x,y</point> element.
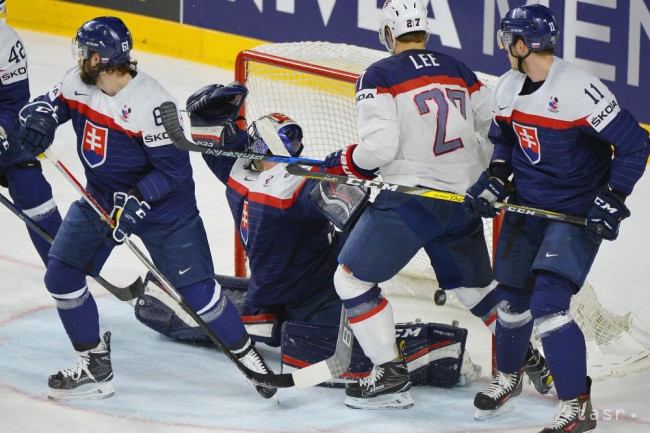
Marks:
<point>386,387</point>
<point>254,361</point>
<point>90,379</point>
<point>537,371</point>
<point>494,401</point>
<point>574,416</point>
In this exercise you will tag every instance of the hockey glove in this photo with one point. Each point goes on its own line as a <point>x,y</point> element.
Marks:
<point>128,211</point>
<point>213,111</point>
<point>342,163</point>
<point>480,196</point>
<point>38,123</point>
<point>605,216</point>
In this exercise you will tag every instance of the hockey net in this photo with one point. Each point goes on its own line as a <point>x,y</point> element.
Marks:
<point>314,84</point>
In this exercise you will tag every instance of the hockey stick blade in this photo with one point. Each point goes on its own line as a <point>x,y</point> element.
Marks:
<point>422,191</point>
<point>132,291</point>
<point>171,122</point>
<point>332,367</point>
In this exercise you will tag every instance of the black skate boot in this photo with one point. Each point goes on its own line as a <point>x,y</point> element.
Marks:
<point>386,387</point>
<point>574,416</point>
<point>537,371</point>
<point>89,379</point>
<point>492,401</point>
<point>251,358</point>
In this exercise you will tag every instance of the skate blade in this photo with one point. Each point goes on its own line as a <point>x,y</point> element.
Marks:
<point>400,400</point>
<point>94,391</point>
<point>482,415</point>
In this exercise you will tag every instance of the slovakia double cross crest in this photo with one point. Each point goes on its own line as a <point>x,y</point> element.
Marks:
<point>529,141</point>
<point>93,146</point>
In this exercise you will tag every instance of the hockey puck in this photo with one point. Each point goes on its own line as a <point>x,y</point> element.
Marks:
<point>440,297</point>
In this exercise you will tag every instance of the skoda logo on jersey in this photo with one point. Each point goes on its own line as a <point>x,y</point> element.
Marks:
<point>243,224</point>
<point>528,141</point>
<point>93,144</point>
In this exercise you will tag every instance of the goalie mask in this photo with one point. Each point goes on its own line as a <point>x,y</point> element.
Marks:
<point>276,134</point>
<point>401,17</point>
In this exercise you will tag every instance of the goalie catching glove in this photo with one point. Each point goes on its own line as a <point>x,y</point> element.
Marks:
<point>213,111</point>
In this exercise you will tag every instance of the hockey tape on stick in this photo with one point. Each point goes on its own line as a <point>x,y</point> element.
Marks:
<point>421,191</point>
<point>128,293</point>
<point>172,124</point>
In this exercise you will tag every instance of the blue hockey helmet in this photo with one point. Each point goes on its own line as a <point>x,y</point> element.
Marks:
<point>535,24</point>
<point>274,131</point>
<point>107,36</point>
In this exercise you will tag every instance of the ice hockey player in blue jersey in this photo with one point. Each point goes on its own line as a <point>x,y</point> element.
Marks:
<point>132,167</point>
<point>19,170</point>
<point>554,129</point>
<point>418,115</point>
<point>291,244</point>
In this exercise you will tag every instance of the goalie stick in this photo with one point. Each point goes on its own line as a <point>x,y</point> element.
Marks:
<point>170,121</point>
<point>422,191</point>
<point>303,378</point>
<point>128,293</point>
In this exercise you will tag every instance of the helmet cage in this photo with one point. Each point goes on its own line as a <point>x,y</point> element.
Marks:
<point>289,133</point>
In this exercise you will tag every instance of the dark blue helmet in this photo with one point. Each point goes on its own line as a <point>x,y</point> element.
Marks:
<point>106,36</point>
<point>536,24</point>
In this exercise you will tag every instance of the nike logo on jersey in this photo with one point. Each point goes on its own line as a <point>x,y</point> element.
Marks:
<point>248,179</point>
<point>182,272</point>
<point>80,94</point>
<point>503,108</point>
<point>551,255</point>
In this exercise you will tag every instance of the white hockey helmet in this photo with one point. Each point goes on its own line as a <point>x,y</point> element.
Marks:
<point>401,17</point>
<point>3,12</point>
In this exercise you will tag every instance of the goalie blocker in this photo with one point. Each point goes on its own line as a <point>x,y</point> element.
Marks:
<point>435,353</point>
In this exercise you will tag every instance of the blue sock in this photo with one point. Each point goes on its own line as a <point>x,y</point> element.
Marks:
<point>513,329</point>
<point>33,195</point>
<point>75,304</point>
<point>562,339</point>
<point>219,313</point>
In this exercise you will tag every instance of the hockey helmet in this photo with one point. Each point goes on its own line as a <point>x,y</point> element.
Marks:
<point>107,36</point>
<point>535,24</point>
<point>273,132</point>
<point>401,17</point>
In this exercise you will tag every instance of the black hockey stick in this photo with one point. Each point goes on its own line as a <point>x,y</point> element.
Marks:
<point>128,293</point>
<point>422,191</point>
<point>169,117</point>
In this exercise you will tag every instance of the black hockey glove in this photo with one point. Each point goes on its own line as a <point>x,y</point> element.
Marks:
<point>4,145</point>
<point>480,196</point>
<point>605,216</point>
<point>128,211</point>
<point>38,123</point>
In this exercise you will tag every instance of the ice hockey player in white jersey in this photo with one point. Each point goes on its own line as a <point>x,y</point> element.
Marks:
<point>19,170</point>
<point>554,129</point>
<point>418,115</point>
